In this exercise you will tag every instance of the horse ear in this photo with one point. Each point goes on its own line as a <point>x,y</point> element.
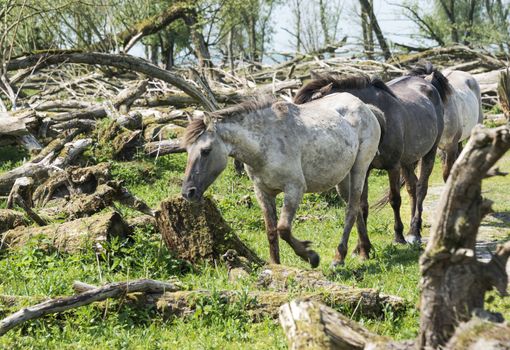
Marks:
<point>209,121</point>
<point>429,77</point>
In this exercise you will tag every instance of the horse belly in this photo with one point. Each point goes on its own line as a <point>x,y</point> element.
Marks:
<point>326,162</point>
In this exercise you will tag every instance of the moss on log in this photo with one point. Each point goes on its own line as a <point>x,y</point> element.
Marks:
<point>72,236</point>
<point>197,231</point>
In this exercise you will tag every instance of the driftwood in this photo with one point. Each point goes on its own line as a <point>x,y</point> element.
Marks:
<point>311,325</point>
<point>127,62</point>
<point>453,282</point>
<point>160,148</point>
<point>71,236</point>
<point>112,290</point>
<point>10,219</point>
<point>197,231</point>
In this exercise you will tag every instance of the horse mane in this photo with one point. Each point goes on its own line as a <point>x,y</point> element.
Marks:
<point>329,83</point>
<point>439,81</point>
<point>198,126</point>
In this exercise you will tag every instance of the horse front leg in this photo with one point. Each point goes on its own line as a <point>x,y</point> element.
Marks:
<point>361,223</point>
<point>268,204</point>
<point>292,199</point>
<point>427,164</point>
<point>450,155</point>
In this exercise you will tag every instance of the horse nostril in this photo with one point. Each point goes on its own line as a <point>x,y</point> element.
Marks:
<point>191,192</point>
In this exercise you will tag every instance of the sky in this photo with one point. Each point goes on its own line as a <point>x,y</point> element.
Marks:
<point>395,26</point>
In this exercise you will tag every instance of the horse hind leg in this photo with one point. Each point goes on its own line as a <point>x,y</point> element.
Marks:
<point>291,202</point>
<point>361,249</point>
<point>268,205</point>
<point>395,202</point>
<point>427,164</point>
<point>410,181</point>
<point>353,213</point>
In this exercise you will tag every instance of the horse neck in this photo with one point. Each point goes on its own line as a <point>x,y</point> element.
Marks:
<point>244,137</point>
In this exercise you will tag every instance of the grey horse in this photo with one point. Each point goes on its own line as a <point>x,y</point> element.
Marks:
<point>291,149</point>
<point>413,112</point>
<point>462,110</point>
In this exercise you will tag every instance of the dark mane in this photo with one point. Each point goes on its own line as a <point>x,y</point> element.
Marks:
<point>198,125</point>
<point>439,81</point>
<point>328,83</point>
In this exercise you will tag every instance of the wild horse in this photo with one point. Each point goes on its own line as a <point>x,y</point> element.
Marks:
<point>413,112</point>
<point>291,149</point>
<point>462,110</point>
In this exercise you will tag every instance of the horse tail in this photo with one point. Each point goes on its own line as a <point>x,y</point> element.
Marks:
<point>438,80</point>
<point>381,118</point>
<point>385,199</point>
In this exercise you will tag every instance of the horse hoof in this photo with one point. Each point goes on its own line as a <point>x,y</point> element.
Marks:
<point>313,258</point>
<point>336,264</point>
<point>412,239</point>
<point>400,240</point>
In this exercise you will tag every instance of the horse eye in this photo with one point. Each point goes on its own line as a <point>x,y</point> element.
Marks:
<point>205,152</point>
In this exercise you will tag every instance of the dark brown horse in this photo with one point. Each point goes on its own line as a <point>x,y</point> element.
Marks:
<point>413,110</point>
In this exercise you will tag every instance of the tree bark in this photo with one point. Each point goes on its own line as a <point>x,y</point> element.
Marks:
<point>311,325</point>
<point>453,282</point>
<point>197,231</point>
<point>504,92</point>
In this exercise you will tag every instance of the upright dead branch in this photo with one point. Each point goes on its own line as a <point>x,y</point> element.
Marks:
<point>504,92</point>
<point>453,282</point>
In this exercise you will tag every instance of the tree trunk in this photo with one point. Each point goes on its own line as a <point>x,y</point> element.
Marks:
<point>367,7</point>
<point>453,282</point>
<point>368,38</point>
<point>324,22</point>
<point>504,92</point>
<point>200,47</point>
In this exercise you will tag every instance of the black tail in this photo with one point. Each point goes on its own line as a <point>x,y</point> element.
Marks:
<point>439,81</point>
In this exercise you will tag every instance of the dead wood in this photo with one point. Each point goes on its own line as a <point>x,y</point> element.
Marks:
<point>283,278</point>
<point>479,334</point>
<point>197,231</point>
<point>10,219</point>
<point>21,195</point>
<point>453,282</point>
<point>61,105</point>
<point>311,325</point>
<point>161,148</point>
<point>111,290</point>
<point>10,126</point>
<point>504,92</point>
<point>72,236</point>
<point>126,62</point>
<point>258,304</point>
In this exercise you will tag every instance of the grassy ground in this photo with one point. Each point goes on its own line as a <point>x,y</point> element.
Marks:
<point>33,272</point>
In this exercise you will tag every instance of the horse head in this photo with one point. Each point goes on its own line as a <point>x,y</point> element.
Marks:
<point>207,158</point>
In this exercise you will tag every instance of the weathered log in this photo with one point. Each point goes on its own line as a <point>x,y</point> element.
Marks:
<point>127,62</point>
<point>111,290</point>
<point>72,236</point>
<point>24,188</point>
<point>61,105</point>
<point>10,219</point>
<point>311,325</point>
<point>283,278</point>
<point>479,334</point>
<point>453,282</point>
<point>160,148</point>
<point>10,126</point>
<point>197,231</point>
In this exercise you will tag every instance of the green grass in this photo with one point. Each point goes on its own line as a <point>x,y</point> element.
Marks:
<point>34,272</point>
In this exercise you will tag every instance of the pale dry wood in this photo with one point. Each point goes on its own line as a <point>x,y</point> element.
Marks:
<point>312,325</point>
<point>111,290</point>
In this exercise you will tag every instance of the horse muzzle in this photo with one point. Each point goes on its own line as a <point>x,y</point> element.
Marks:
<point>191,193</point>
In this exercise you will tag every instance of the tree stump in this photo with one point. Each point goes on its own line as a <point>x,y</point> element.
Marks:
<point>10,219</point>
<point>197,231</point>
